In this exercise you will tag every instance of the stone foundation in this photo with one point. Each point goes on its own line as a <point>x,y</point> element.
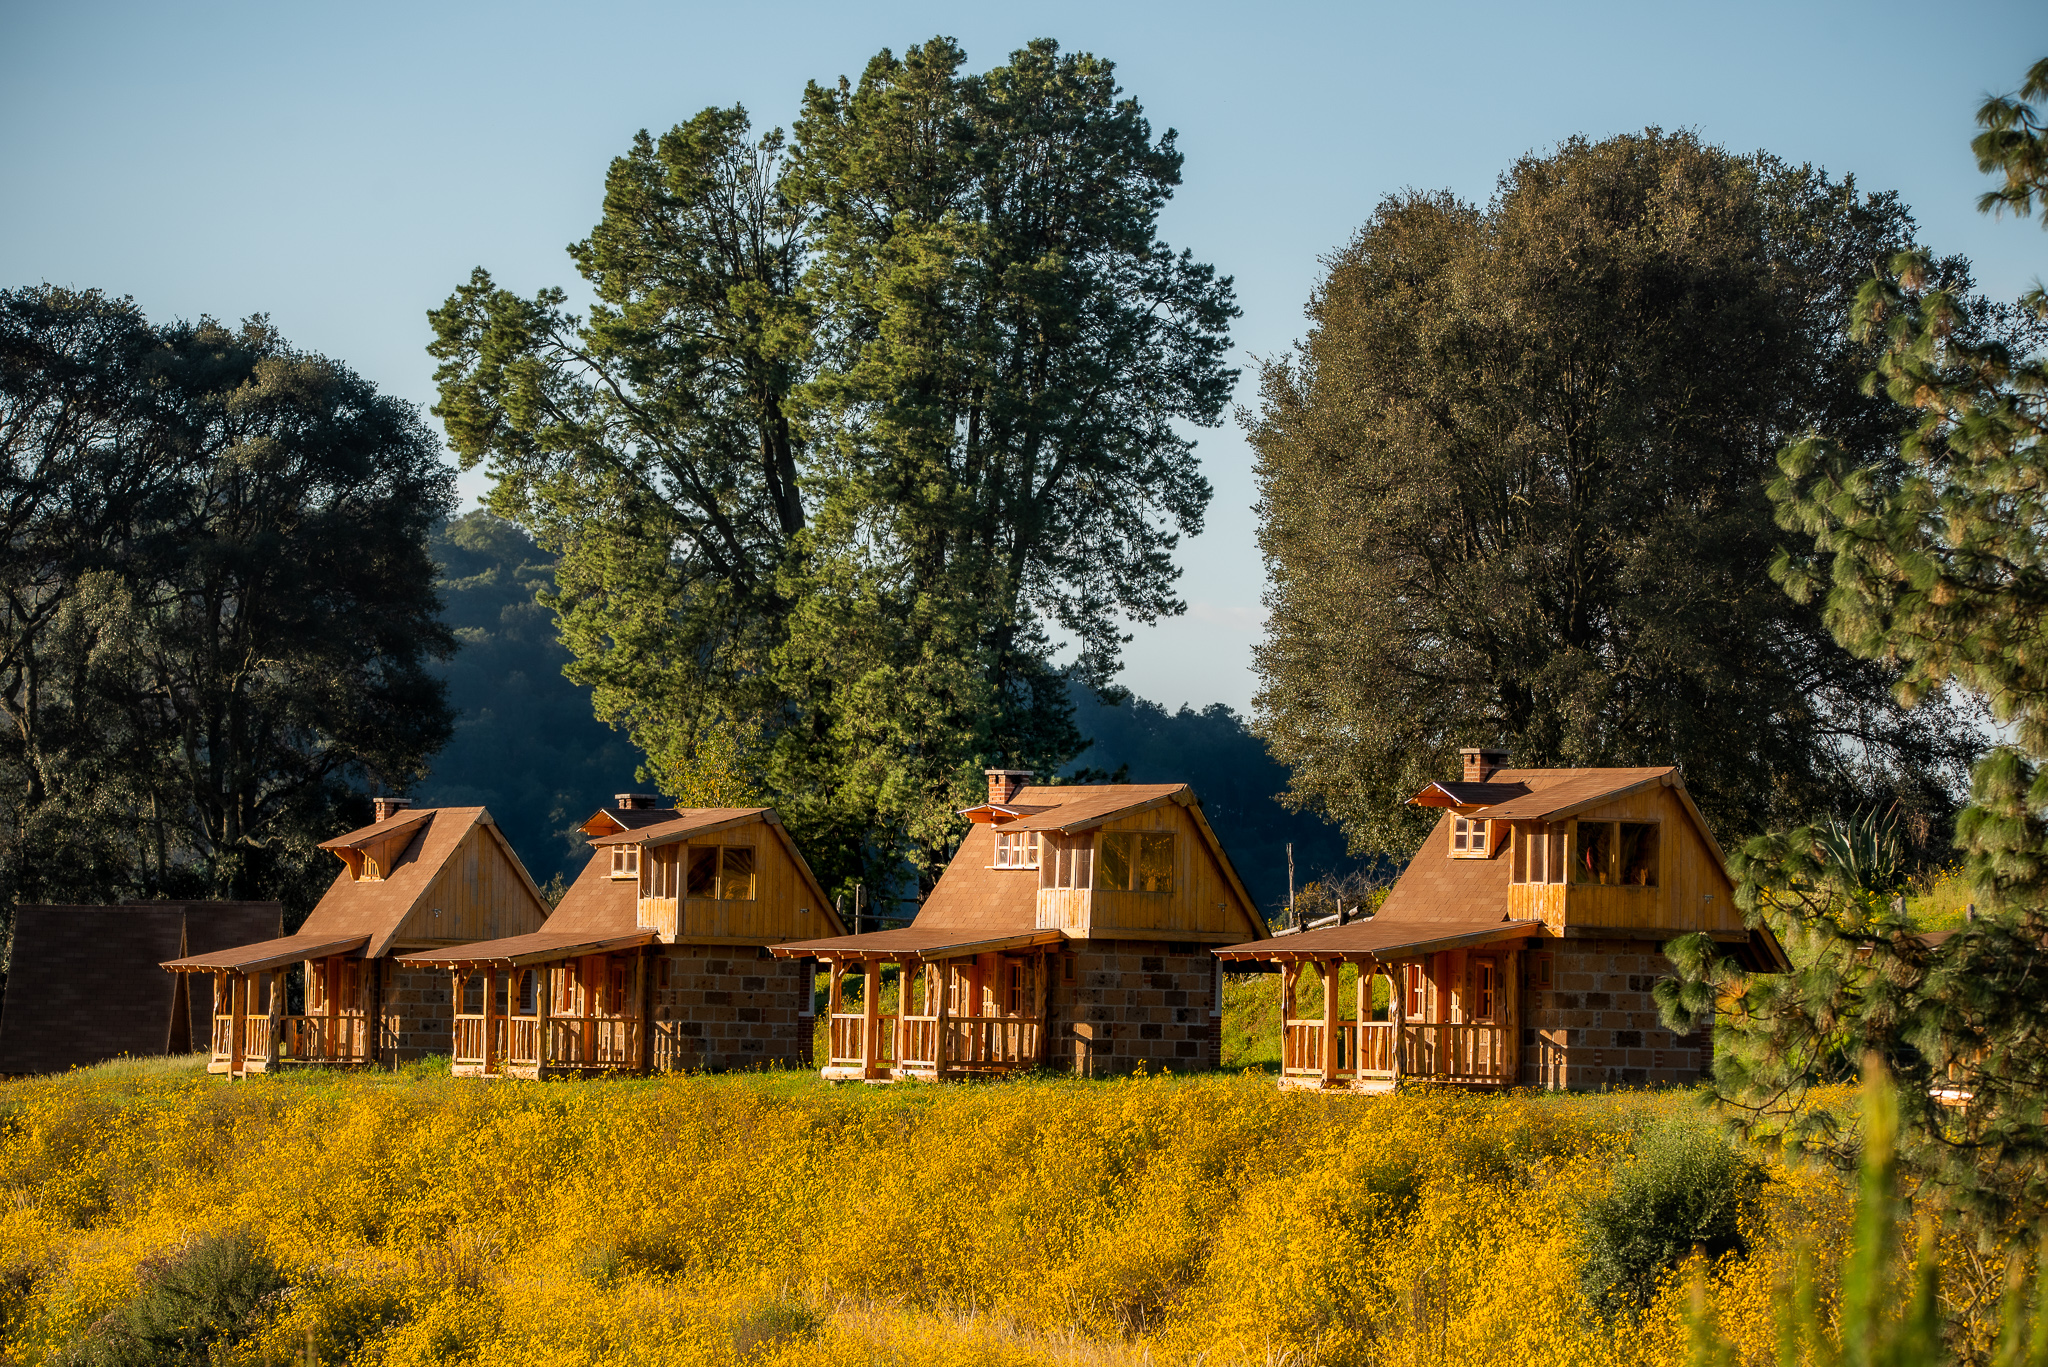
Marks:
<point>415,1013</point>
<point>1115,1004</point>
<point>719,1007</point>
<point>1595,1024</point>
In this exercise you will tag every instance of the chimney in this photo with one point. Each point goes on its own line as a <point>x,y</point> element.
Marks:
<point>388,807</point>
<point>1004,784</point>
<point>637,802</point>
<point>1480,763</point>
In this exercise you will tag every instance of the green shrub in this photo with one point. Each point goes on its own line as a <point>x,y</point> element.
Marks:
<point>216,1290</point>
<point>1683,1189</point>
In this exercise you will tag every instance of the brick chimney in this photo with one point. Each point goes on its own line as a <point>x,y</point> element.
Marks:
<point>1004,784</point>
<point>1480,763</point>
<point>388,807</point>
<point>637,802</point>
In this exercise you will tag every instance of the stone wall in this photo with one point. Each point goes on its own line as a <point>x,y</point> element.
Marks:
<point>718,1007</point>
<point>1117,1003</point>
<point>1596,1025</point>
<point>416,1013</point>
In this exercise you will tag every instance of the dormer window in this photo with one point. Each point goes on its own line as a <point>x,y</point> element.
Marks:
<point>625,861</point>
<point>1016,849</point>
<point>1468,838</point>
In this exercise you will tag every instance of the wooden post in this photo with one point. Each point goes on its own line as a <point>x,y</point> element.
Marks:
<point>490,1050</point>
<point>1333,971</point>
<point>1367,969</point>
<point>644,966</point>
<point>543,1002</point>
<point>902,1031</point>
<point>1288,969</point>
<point>1510,1011</point>
<point>275,1023</point>
<point>941,1043</point>
<point>1397,1010</point>
<point>238,1023</point>
<point>330,1040</point>
<point>1041,970</point>
<point>871,1016</point>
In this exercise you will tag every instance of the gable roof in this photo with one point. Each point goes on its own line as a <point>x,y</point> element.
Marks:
<point>1379,937</point>
<point>684,822</point>
<point>626,819</point>
<point>85,986</point>
<point>976,907</point>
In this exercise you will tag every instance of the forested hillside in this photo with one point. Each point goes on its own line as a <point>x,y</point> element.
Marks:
<point>526,744</point>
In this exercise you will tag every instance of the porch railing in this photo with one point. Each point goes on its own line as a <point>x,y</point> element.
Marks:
<point>849,1030</point>
<point>320,1039</point>
<point>1467,1052</point>
<point>971,1043</point>
<point>512,1038</point>
<point>594,1041</point>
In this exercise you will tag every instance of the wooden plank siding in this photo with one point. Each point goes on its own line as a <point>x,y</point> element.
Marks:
<point>1693,891</point>
<point>1202,906</point>
<point>477,894</point>
<point>786,904</point>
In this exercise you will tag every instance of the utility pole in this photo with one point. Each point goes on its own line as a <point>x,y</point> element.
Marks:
<point>1293,918</point>
<point>860,906</point>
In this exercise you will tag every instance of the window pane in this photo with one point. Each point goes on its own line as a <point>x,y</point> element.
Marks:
<point>703,866</point>
<point>1596,840</point>
<point>738,878</point>
<point>1638,854</point>
<point>1155,862</point>
<point>1031,851</point>
<point>1002,849</point>
<point>1116,861</point>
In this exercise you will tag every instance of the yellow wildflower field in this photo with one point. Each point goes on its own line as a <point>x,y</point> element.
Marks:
<point>771,1218</point>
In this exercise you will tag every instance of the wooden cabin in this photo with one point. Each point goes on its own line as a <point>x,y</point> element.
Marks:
<point>337,992</point>
<point>656,958</point>
<point>1521,944</point>
<point>1071,930</point>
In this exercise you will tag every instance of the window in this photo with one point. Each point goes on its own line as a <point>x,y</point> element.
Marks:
<point>736,873</point>
<point>1137,861</point>
<point>720,872</point>
<point>702,862</point>
<point>1016,849</point>
<point>1067,865</point>
<point>1482,990</point>
<point>1468,838</point>
<point>1636,853</point>
<point>1539,854</point>
<point>658,872</point>
<point>526,993</point>
<point>1593,862</point>
<point>1016,977</point>
<point>1415,988</point>
<point>625,861</point>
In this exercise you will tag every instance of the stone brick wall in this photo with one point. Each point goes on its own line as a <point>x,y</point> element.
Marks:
<point>718,1007</point>
<point>416,1013</point>
<point>1130,1002</point>
<point>1596,1024</point>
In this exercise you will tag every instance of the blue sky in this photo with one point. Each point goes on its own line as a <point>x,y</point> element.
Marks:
<point>342,168</point>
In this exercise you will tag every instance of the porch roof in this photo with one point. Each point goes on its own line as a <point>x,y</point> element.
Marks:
<point>268,954</point>
<point>542,946</point>
<point>938,942</point>
<point>1383,940</point>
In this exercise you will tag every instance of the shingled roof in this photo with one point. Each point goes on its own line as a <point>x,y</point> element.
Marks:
<point>84,985</point>
<point>1439,903</point>
<point>978,908</point>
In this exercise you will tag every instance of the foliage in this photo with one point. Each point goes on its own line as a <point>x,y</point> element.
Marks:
<point>1682,1191</point>
<point>216,615</point>
<point>1869,1334</point>
<point>1932,562</point>
<point>775,1219</point>
<point>859,418</point>
<point>525,743</point>
<point>1512,491</point>
<point>208,1295</point>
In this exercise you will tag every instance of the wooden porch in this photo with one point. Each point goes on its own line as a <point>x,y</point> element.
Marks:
<point>579,1015</point>
<point>255,1032</point>
<point>1451,1017</point>
<point>979,1015</point>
